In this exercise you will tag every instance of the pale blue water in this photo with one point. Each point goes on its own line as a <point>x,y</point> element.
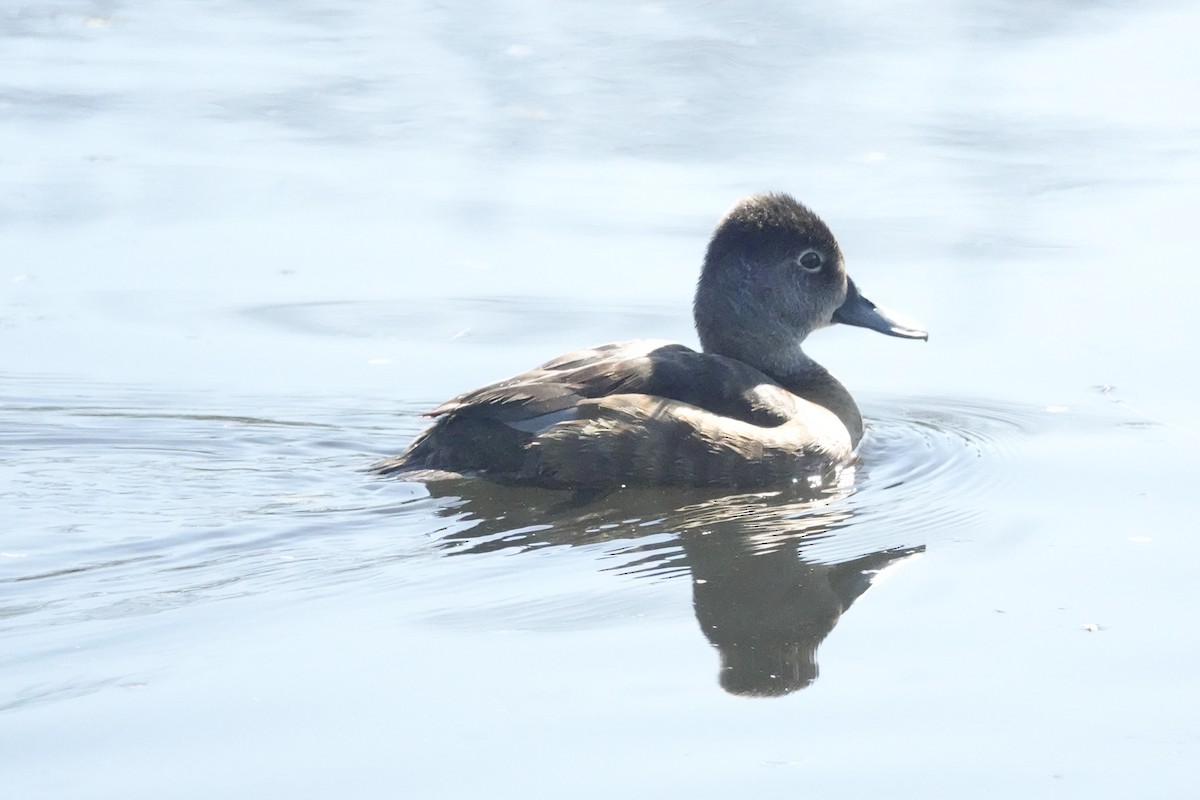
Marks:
<point>244,244</point>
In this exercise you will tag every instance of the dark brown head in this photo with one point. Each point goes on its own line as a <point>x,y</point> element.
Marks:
<point>774,273</point>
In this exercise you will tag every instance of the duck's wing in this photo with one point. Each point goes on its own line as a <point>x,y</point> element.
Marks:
<point>635,413</point>
<point>545,395</point>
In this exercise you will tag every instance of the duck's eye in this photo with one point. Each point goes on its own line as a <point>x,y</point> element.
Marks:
<point>810,261</point>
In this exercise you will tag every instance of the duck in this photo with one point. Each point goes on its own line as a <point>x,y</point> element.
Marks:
<point>749,410</point>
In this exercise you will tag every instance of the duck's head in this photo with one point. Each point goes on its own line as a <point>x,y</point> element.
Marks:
<point>774,273</point>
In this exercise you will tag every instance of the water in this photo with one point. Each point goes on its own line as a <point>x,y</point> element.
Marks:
<point>245,244</point>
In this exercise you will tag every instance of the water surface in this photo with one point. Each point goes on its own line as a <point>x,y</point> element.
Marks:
<point>246,244</point>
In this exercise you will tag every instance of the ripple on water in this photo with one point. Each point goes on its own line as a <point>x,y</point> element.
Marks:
<point>505,320</point>
<point>149,502</point>
<point>923,467</point>
<point>146,504</point>
<point>770,572</point>
<point>184,489</point>
<point>924,470</point>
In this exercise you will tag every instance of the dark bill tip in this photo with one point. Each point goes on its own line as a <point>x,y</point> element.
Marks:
<point>862,313</point>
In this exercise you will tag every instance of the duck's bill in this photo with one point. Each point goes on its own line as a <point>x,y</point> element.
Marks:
<point>861,312</point>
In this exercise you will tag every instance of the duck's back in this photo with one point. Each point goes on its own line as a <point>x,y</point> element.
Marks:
<point>630,413</point>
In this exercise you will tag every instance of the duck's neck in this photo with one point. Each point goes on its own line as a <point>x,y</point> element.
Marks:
<point>805,378</point>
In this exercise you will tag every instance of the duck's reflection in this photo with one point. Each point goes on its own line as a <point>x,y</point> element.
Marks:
<point>769,580</point>
<point>767,611</point>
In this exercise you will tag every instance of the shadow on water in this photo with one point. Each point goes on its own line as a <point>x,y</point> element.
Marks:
<point>761,599</point>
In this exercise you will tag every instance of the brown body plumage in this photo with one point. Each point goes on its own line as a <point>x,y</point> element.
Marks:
<point>751,410</point>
